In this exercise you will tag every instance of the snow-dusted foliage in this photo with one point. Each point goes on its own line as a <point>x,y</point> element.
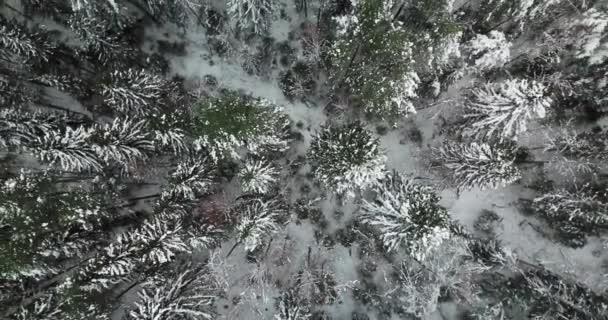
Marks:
<point>504,109</point>
<point>232,124</point>
<point>574,214</point>
<point>190,179</point>
<point>346,158</point>
<point>92,7</point>
<point>586,151</point>
<point>407,215</point>
<point>187,295</point>
<point>122,142</point>
<point>289,309</point>
<point>19,127</point>
<point>371,59</point>
<point>176,11</point>
<point>58,305</point>
<point>17,40</point>
<point>450,270</point>
<point>483,165</point>
<point>257,219</point>
<point>490,51</point>
<point>168,132</point>
<point>133,92</point>
<point>528,13</point>
<point>257,176</point>
<point>35,214</point>
<point>154,243</point>
<point>254,14</point>
<point>69,149</point>
<point>541,294</point>
<point>593,24</point>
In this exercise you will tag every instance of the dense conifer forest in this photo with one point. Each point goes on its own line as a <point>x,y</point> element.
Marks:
<point>303,159</point>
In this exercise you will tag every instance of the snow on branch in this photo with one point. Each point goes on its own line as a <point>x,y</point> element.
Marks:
<point>483,165</point>
<point>256,220</point>
<point>346,158</point>
<point>258,176</point>
<point>190,179</point>
<point>504,109</point>
<point>187,295</point>
<point>489,51</point>
<point>407,215</point>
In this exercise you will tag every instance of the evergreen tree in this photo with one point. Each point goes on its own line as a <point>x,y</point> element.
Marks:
<point>290,309</point>
<point>574,214</point>
<point>257,176</point>
<point>487,52</point>
<point>254,14</point>
<point>91,8</point>
<point>43,224</point>
<point>587,150</point>
<point>190,179</point>
<point>102,41</point>
<point>123,142</point>
<point>67,149</point>
<point>169,132</point>
<point>371,58</point>
<point>256,219</point>
<point>483,165</point>
<point>189,294</point>
<point>153,244</point>
<point>134,92</point>
<point>407,215</point>
<point>17,41</point>
<point>231,123</point>
<point>541,294</point>
<point>21,127</point>
<point>450,271</point>
<point>346,158</point>
<point>504,109</point>
<point>59,305</point>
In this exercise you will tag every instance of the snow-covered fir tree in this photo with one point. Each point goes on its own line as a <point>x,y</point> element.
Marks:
<point>191,179</point>
<point>122,142</point>
<point>587,151</point>
<point>90,7</point>
<point>169,131</point>
<point>156,242</point>
<point>61,305</point>
<point>22,127</point>
<point>346,158</point>
<point>449,271</point>
<point>231,124</point>
<point>134,92</point>
<point>407,216</point>
<point>482,165</point>
<point>254,14</point>
<point>68,149</point>
<point>17,41</point>
<point>490,51</point>
<point>258,176</point>
<point>371,58</point>
<point>177,11</point>
<point>44,224</point>
<point>574,214</point>
<point>592,28</point>
<point>101,41</point>
<point>289,309</point>
<point>528,13</point>
<point>542,294</point>
<point>187,294</point>
<point>256,219</point>
<point>504,109</point>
